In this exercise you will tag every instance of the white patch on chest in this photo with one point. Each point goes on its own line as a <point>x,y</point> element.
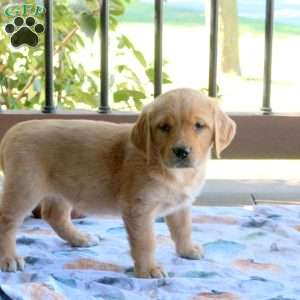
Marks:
<point>181,193</point>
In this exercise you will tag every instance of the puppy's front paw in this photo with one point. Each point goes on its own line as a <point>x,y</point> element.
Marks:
<point>87,240</point>
<point>11,263</point>
<point>192,252</point>
<point>155,271</point>
<point>92,240</point>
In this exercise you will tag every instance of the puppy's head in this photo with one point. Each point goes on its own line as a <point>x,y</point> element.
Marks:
<point>179,128</point>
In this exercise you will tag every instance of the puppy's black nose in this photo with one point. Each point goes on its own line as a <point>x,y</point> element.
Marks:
<point>181,151</point>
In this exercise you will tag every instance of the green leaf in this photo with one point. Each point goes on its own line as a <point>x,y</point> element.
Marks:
<point>69,104</point>
<point>150,74</point>
<point>33,100</point>
<point>84,97</point>
<point>138,104</point>
<point>140,57</point>
<point>125,42</point>
<point>96,73</point>
<point>81,72</point>
<point>113,23</point>
<point>125,95</point>
<point>165,77</point>
<point>79,40</point>
<point>93,83</point>
<point>117,8</point>
<point>131,76</point>
<point>88,24</point>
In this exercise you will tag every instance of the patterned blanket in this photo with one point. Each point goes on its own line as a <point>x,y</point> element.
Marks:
<point>250,253</point>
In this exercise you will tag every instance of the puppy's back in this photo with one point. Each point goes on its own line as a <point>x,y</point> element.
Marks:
<point>77,159</point>
<point>62,141</point>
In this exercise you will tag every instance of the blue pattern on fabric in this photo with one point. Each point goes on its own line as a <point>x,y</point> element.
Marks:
<point>249,253</point>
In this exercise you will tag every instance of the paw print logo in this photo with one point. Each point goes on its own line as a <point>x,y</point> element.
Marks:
<point>24,31</point>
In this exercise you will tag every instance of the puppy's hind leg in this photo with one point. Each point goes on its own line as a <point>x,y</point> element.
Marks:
<point>17,202</point>
<point>57,212</point>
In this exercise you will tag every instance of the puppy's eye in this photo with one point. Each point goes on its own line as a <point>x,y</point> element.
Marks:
<point>165,127</point>
<point>199,126</point>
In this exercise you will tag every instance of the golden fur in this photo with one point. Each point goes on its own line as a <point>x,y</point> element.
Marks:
<point>101,167</point>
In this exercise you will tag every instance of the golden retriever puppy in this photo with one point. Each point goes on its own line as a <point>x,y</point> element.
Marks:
<point>155,167</point>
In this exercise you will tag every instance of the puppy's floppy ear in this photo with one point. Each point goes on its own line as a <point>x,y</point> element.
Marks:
<point>141,132</point>
<point>224,130</point>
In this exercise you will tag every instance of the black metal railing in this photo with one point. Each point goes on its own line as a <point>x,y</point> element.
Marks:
<point>266,107</point>
<point>158,47</point>
<point>104,19</point>
<point>213,49</point>
<point>49,106</point>
<point>104,106</point>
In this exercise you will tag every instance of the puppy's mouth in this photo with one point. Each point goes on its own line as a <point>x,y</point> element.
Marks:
<point>179,164</point>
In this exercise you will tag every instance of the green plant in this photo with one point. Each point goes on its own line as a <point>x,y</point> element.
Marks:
<point>219,94</point>
<point>75,85</point>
